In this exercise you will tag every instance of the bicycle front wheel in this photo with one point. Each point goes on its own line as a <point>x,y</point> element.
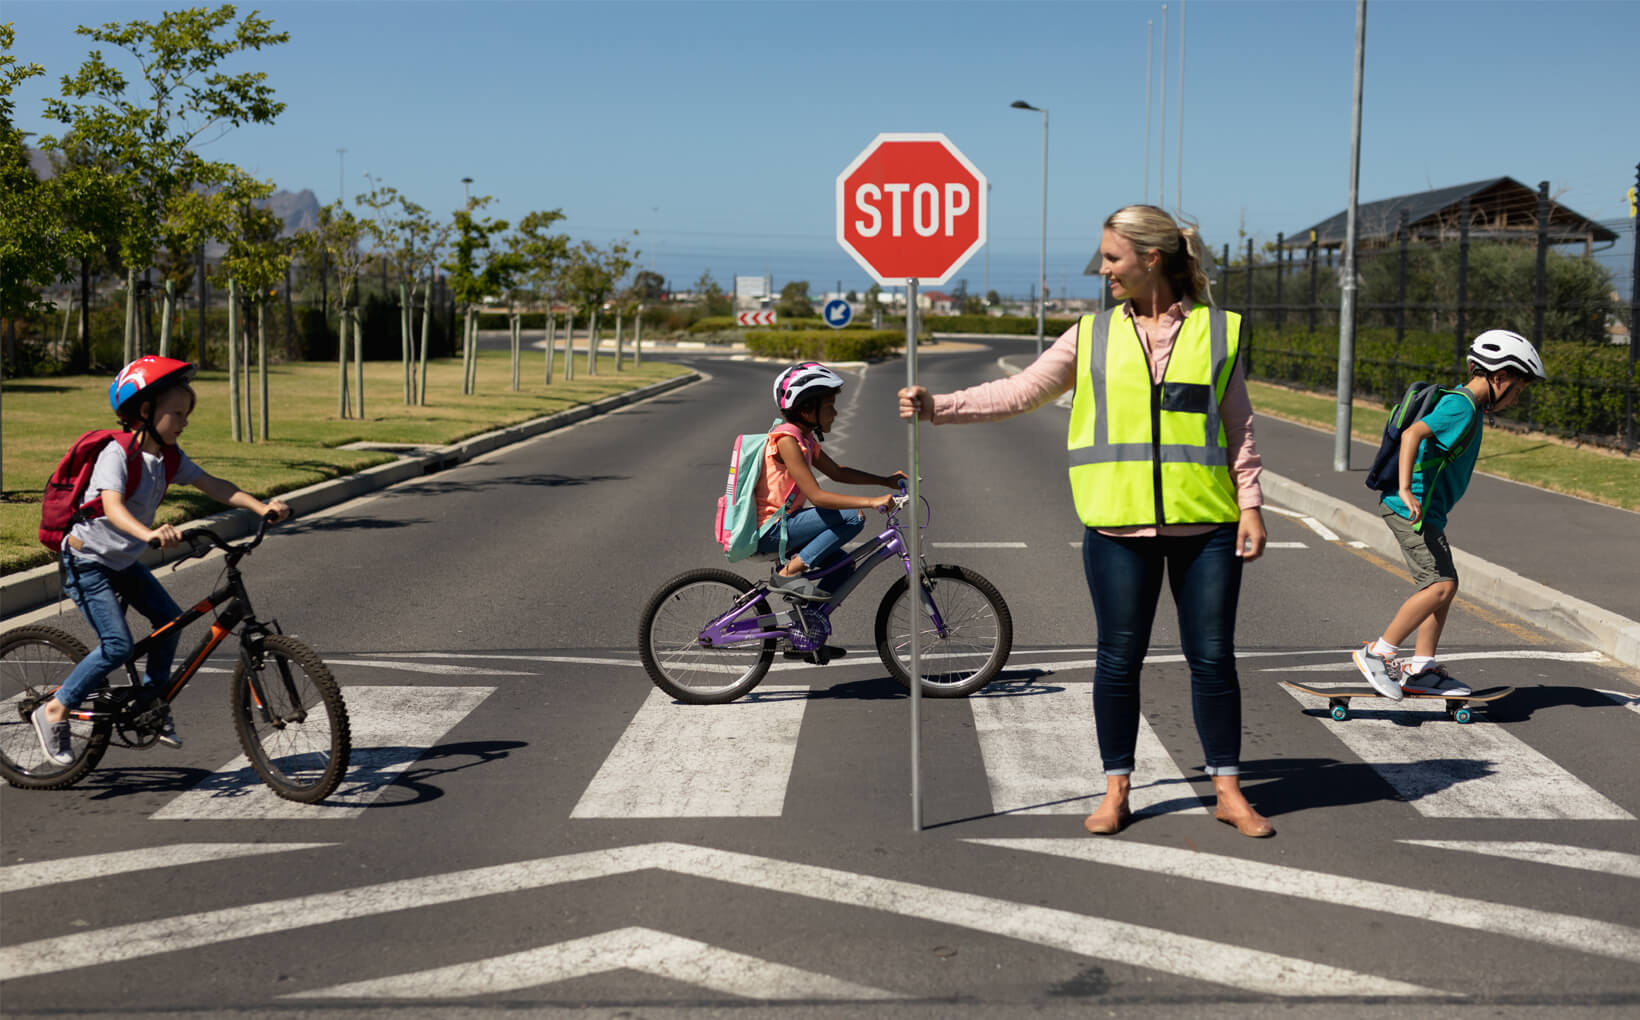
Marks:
<point>978,635</point>
<point>34,662</point>
<point>291,720</point>
<point>669,639</point>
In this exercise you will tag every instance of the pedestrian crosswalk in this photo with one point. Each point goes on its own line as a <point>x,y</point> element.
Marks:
<point>1034,741</point>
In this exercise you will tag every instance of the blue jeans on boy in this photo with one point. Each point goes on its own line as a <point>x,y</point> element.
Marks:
<point>97,590</point>
<point>1125,580</point>
<point>814,534</point>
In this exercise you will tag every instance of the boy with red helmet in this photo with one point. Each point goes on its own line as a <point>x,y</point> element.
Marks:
<point>151,397</point>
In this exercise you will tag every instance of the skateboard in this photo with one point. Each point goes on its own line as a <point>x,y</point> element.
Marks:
<point>1457,708</point>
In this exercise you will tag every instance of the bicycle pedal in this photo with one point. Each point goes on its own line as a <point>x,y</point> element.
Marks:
<point>820,656</point>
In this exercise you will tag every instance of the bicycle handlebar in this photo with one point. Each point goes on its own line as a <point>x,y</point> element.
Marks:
<point>204,539</point>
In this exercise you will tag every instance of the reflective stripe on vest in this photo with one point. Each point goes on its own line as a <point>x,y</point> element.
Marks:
<point>1142,453</point>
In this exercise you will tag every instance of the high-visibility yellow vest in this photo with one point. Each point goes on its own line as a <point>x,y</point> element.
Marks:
<point>1142,453</point>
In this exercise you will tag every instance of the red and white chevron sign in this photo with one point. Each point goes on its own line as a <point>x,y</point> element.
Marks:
<point>755,318</point>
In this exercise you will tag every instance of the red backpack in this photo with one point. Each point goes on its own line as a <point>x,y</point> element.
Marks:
<point>64,504</point>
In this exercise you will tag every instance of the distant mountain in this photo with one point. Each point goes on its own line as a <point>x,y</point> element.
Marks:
<point>297,210</point>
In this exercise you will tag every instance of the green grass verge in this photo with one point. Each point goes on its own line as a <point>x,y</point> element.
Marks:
<point>1533,458</point>
<point>40,419</point>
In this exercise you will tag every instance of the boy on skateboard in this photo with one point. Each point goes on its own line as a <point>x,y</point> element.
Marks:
<point>1501,365</point>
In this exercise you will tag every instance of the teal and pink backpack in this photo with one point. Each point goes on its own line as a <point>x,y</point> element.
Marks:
<point>736,526</point>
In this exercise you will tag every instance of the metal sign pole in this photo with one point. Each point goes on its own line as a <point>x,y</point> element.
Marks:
<point>914,550</point>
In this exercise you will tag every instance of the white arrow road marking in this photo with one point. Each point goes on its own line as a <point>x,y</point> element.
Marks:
<point>1451,771</point>
<point>36,874</point>
<point>1607,862</point>
<point>1326,534</point>
<point>1286,545</point>
<point>1599,938</point>
<point>978,545</point>
<point>639,949</point>
<point>392,727</point>
<point>447,669</point>
<point>700,761</point>
<point>1097,938</point>
<point>1040,753</point>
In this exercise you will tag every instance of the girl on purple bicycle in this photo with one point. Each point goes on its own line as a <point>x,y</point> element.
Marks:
<point>806,394</point>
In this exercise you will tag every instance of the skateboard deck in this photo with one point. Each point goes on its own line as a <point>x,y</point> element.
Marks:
<point>1457,707</point>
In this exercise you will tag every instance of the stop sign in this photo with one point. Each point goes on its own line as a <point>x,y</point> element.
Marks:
<point>911,207</point>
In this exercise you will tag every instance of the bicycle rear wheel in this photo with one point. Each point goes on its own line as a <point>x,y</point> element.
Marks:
<point>34,662</point>
<point>979,632</point>
<point>291,720</point>
<point>669,639</point>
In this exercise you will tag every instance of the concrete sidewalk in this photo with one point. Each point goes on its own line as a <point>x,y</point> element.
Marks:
<point>30,589</point>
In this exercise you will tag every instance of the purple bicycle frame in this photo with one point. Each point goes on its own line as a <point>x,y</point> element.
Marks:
<point>729,629</point>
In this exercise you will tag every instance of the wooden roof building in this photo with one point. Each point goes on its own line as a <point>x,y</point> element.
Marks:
<point>1500,209</point>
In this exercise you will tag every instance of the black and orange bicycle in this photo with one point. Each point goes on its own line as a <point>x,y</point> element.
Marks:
<point>287,708</point>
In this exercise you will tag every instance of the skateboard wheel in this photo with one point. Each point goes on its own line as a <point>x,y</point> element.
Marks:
<point>1463,715</point>
<point>1340,712</point>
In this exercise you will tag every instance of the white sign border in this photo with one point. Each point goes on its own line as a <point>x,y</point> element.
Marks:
<point>914,136</point>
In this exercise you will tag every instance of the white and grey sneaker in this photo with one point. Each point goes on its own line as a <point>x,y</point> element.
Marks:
<point>1384,677</point>
<point>1435,680</point>
<point>168,732</point>
<point>55,739</point>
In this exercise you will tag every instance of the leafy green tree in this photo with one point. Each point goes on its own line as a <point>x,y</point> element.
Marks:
<point>33,250</point>
<point>185,96</point>
<point>536,256</point>
<point>648,285</point>
<point>335,239</point>
<point>590,278</point>
<point>716,301</point>
<point>794,300</point>
<point>477,271</point>
<point>254,265</point>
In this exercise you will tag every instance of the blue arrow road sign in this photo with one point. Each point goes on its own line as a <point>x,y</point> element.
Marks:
<point>838,313</point>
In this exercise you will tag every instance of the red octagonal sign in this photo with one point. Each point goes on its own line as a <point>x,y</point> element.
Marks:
<point>911,207</point>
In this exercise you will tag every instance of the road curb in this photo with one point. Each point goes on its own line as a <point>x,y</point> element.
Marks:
<point>40,586</point>
<point>1554,611</point>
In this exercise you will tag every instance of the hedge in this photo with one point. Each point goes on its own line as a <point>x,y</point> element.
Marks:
<point>824,344</point>
<point>1583,397</point>
<point>1003,324</point>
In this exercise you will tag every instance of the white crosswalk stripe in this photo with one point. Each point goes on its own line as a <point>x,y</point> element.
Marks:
<point>392,727</point>
<point>701,761</point>
<point>1041,756</point>
<point>1450,771</point>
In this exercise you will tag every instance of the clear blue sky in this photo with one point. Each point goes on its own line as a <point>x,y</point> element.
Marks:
<point>717,130</point>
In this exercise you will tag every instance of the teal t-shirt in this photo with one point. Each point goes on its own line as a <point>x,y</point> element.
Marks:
<point>1439,488</point>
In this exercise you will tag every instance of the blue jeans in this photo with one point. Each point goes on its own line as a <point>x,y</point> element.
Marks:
<point>97,590</point>
<point>814,534</point>
<point>1125,580</point>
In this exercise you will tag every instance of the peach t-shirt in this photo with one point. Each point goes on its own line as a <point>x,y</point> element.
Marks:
<point>1055,372</point>
<point>775,483</point>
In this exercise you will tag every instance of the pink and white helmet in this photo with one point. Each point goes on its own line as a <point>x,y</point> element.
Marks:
<point>804,379</point>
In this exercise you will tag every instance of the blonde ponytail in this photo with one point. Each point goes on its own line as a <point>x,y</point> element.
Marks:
<point>1185,258</point>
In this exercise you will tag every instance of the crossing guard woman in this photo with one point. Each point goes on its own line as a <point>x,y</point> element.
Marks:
<point>1164,474</point>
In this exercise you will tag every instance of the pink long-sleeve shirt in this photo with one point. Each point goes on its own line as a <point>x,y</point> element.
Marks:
<point>1055,372</point>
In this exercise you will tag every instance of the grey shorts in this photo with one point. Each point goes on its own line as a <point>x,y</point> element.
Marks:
<point>1427,553</point>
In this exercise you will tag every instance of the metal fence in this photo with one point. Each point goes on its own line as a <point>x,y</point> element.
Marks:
<point>1420,302</point>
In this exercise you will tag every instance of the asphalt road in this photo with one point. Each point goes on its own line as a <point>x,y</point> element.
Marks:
<point>530,826</point>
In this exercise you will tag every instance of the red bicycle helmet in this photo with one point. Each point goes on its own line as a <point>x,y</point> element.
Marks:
<point>144,379</point>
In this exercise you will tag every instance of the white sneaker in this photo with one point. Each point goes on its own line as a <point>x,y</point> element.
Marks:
<point>1435,680</point>
<point>1376,668</point>
<point>168,733</point>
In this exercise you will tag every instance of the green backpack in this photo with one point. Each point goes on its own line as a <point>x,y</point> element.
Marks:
<point>736,526</point>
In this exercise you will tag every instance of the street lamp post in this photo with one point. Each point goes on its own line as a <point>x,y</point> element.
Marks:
<point>466,191</point>
<point>1042,260</point>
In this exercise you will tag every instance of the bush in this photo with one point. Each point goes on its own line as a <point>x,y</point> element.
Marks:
<point>824,344</point>
<point>1012,325</point>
